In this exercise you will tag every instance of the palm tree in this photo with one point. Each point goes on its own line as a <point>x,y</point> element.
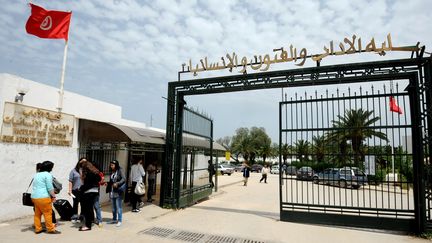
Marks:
<point>265,151</point>
<point>338,145</point>
<point>355,126</point>
<point>319,148</point>
<point>302,149</point>
<point>285,152</point>
<point>246,148</point>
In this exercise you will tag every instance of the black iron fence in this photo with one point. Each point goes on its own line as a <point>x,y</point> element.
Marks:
<point>348,154</point>
<point>364,206</point>
<point>101,154</point>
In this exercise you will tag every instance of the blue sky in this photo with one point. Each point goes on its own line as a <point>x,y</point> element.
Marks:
<point>126,51</point>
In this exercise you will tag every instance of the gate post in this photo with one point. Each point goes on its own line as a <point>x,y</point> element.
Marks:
<point>178,139</point>
<point>167,166</point>
<point>428,142</point>
<point>418,157</point>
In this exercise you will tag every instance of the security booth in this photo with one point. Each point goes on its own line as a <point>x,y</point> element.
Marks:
<point>103,142</point>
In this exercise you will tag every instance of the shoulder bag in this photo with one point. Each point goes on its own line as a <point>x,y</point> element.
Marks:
<point>26,197</point>
<point>140,188</point>
<point>57,186</point>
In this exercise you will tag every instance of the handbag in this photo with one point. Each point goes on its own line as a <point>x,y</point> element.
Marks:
<point>26,197</point>
<point>139,188</point>
<point>122,188</point>
<point>57,186</point>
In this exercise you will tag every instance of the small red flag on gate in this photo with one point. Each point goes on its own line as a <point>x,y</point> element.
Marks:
<point>48,24</point>
<point>394,106</point>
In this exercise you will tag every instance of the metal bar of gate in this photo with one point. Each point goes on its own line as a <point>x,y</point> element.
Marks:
<point>419,199</point>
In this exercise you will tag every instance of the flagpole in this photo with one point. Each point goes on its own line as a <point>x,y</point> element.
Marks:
<point>61,91</point>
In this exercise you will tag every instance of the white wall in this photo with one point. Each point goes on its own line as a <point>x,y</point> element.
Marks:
<point>18,167</point>
<point>19,160</point>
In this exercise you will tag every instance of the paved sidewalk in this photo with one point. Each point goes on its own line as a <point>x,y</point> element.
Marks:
<point>234,214</point>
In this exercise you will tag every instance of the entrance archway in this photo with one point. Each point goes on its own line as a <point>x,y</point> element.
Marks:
<point>416,70</point>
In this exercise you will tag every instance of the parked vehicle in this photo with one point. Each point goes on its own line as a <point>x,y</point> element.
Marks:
<point>305,173</point>
<point>274,169</point>
<point>329,176</point>
<point>353,177</point>
<point>238,168</point>
<point>225,169</point>
<point>344,177</point>
<point>291,170</point>
<point>256,168</point>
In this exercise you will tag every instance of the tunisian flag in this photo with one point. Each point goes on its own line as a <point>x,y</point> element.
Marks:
<point>48,23</point>
<point>394,106</point>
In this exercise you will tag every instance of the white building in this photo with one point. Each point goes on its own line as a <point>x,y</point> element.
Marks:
<point>31,127</point>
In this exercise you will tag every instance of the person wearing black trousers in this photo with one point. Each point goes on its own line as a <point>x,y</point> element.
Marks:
<point>136,176</point>
<point>74,186</point>
<point>90,190</point>
<point>264,173</point>
<point>211,170</point>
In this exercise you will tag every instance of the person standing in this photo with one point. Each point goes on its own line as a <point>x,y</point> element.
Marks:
<point>211,171</point>
<point>90,190</point>
<point>264,173</point>
<point>43,196</point>
<point>116,187</point>
<point>136,176</point>
<point>97,206</point>
<point>151,171</point>
<point>54,220</point>
<point>246,172</point>
<point>74,186</point>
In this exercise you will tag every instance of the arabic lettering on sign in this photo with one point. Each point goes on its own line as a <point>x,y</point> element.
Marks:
<point>23,124</point>
<point>38,113</point>
<point>281,55</point>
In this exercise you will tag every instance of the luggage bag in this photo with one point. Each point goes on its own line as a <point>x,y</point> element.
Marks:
<point>64,209</point>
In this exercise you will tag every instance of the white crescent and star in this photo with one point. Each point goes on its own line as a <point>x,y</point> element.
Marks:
<point>46,23</point>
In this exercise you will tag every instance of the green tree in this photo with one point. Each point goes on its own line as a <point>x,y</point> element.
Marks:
<point>355,126</point>
<point>240,144</point>
<point>250,142</point>
<point>319,148</point>
<point>285,152</point>
<point>338,145</point>
<point>302,148</point>
<point>265,151</point>
<point>260,142</point>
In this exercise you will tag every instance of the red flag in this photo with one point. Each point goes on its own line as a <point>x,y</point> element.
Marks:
<point>48,23</point>
<point>394,106</point>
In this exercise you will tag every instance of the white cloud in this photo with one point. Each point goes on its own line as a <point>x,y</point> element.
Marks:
<point>132,45</point>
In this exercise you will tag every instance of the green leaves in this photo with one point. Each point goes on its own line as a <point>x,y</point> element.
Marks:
<point>251,142</point>
<point>355,126</point>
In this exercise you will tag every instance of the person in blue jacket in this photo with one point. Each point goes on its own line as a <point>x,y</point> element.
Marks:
<point>246,172</point>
